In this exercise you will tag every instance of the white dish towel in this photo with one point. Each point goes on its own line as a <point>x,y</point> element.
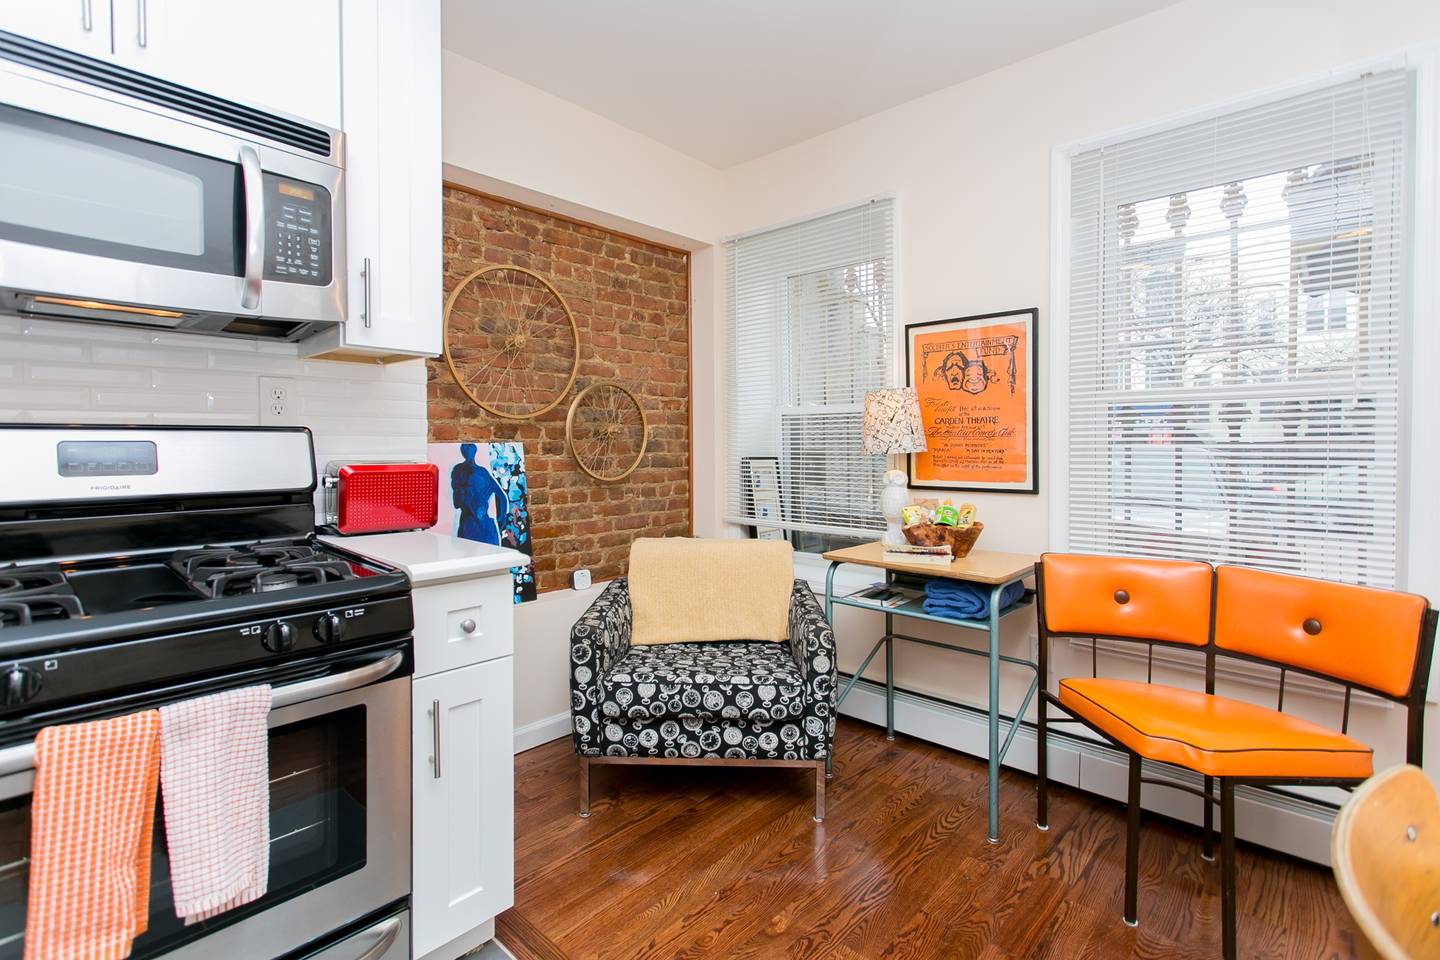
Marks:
<point>215,781</point>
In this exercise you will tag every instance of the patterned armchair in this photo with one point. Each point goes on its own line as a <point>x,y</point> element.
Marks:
<point>745,703</point>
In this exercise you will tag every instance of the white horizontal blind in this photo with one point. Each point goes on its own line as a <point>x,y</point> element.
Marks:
<point>811,321</point>
<point>1236,314</point>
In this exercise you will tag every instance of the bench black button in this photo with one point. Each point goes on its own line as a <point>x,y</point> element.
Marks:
<point>1311,626</point>
<point>1122,597</point>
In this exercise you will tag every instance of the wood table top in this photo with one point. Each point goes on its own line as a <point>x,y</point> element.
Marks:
<point>981,566</point>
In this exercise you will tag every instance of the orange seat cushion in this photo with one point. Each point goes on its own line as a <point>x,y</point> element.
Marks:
<point>1214,736</point>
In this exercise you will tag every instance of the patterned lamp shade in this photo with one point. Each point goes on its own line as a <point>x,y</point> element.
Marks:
<point>892,422</point>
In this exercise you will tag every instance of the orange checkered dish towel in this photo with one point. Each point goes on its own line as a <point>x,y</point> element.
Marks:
<point>91,821</point>
<point>215,774</point>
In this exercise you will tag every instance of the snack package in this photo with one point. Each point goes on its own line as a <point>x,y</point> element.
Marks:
<point>966,517</point>
<point>946,515</point>
<point>913,514</point>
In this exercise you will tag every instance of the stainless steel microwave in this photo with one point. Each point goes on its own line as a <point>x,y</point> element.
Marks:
<point>129,199</point>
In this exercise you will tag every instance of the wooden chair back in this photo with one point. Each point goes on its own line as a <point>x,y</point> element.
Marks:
<point>1386,851</point>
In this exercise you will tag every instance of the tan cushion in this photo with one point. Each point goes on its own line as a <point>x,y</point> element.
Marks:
<point>684,591</point>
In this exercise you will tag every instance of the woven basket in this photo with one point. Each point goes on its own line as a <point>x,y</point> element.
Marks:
<point>961,539</point>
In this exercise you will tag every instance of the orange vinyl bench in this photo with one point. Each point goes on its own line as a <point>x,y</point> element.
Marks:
<point>1360,638</point>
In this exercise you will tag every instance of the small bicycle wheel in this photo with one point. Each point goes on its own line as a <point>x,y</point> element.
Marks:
<point>606,431</point>
<point>511,342</point>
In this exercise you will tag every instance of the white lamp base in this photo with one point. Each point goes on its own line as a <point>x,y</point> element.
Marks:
<point>893,498</point>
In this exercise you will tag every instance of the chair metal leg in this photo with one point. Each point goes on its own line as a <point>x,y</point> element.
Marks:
<point>1208,851</point>
<point>1227,867</point>
<point>1132,842</point>
<point>830,763</point>
<point>1042,782</point>
<point>819,792</point>
<point>584,786</point>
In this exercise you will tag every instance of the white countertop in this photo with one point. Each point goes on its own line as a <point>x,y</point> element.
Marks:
<point>431,557</point>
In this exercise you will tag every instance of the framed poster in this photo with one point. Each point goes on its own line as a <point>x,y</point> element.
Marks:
<point>975,377</point>
<point>484,496</point>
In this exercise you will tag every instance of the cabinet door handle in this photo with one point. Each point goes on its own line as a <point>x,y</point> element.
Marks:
<point>365,276</point>
<point>435,733</point>
<point>142,26</point>
<point>87,15</point>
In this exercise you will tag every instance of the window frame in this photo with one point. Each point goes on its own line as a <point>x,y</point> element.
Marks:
<point>893,375</point>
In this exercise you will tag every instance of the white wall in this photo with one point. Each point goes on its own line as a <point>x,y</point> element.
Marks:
<point>517,141</point>
<point>971,168</point>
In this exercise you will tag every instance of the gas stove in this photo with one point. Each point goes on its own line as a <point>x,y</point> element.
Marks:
<point>138,564</point>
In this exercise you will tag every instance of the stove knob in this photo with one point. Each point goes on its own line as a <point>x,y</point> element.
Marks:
<point>20,686</point>
<point>329,628</point>
<point>279,637</point>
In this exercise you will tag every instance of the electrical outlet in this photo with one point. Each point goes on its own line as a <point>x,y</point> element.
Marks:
<point>277,402</point>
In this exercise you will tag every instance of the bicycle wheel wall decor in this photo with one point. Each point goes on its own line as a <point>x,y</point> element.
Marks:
<point>511,342</point>
<point>606,431</point>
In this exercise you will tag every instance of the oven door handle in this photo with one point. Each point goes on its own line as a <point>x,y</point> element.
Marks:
<point>20,758</point>
<point>294,693</point>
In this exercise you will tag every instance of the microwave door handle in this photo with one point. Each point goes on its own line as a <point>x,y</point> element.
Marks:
<point>20,758</point>
<point>254,184</point>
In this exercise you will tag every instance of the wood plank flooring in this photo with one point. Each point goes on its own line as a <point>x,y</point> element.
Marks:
<point>694,863</point>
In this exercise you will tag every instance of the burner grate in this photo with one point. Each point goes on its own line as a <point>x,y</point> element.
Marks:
<point>36,595</point>
<point>235,571</point>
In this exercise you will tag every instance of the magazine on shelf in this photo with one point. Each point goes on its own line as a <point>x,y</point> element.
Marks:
<point>884,596</point>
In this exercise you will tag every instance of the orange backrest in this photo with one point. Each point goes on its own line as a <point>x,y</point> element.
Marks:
<point>1362,635</point>
<point>1127,597</point>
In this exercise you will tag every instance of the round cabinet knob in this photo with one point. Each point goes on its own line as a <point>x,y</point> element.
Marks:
<point>21,685</point>
<point>329,628</point>
<point>467,625</point>
<point>279,637</point>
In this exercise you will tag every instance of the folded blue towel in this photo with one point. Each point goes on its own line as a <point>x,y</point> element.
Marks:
<point>964,600</point>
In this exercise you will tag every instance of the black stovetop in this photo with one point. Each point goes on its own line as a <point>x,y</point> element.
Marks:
<point>43,593</point>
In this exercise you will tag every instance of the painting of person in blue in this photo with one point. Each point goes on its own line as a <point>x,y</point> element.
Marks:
<point>492,502</point>
<point>480,502</point>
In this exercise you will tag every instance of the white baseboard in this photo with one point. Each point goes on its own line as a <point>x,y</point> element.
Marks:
<point>1289,824</point>
<point>542,731</point>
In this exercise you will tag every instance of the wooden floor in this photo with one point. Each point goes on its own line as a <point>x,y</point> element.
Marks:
<point>726,862</point>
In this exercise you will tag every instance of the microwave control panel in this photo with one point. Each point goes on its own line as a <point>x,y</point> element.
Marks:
<point>298,235</point>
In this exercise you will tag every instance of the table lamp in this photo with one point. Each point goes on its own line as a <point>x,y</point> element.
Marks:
<point>892,425</point>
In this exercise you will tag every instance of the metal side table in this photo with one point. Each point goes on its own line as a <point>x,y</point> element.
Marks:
<point>995,571</point>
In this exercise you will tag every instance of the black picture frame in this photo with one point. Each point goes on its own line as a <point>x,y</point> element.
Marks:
<point>1031,315</point>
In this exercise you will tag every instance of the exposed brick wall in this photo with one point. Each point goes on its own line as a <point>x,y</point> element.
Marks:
<point>631,303</point>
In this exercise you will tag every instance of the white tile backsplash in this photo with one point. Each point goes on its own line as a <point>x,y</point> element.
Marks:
<point>58,372</point>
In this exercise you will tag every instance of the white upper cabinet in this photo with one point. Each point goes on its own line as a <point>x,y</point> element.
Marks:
<point>280,55</point>
<point>82,25</point>
<point>391,71</point>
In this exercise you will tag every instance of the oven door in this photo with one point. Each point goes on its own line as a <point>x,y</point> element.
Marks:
<point>339,824</point>
<point>113,210</point>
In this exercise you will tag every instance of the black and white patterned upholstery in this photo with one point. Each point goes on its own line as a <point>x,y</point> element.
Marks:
<point>745,699</point>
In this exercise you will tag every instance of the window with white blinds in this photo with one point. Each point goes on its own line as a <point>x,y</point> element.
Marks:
<point>1237,314</point>
<point>811,330</point>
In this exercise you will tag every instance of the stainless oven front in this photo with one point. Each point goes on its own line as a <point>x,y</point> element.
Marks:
<point>127,199</point>
<point>339,826</point>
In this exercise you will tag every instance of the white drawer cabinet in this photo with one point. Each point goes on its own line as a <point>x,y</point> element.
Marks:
<point>463,622</point>
<point>463,764</point>
<point>464,809</point>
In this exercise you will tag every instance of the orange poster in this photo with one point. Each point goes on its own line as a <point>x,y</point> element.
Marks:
<point>975,380</point>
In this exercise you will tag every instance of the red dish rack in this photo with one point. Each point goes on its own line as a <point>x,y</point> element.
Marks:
<point>381,497</point>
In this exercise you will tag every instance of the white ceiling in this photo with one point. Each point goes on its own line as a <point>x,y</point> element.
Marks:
<point>729,80</point>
